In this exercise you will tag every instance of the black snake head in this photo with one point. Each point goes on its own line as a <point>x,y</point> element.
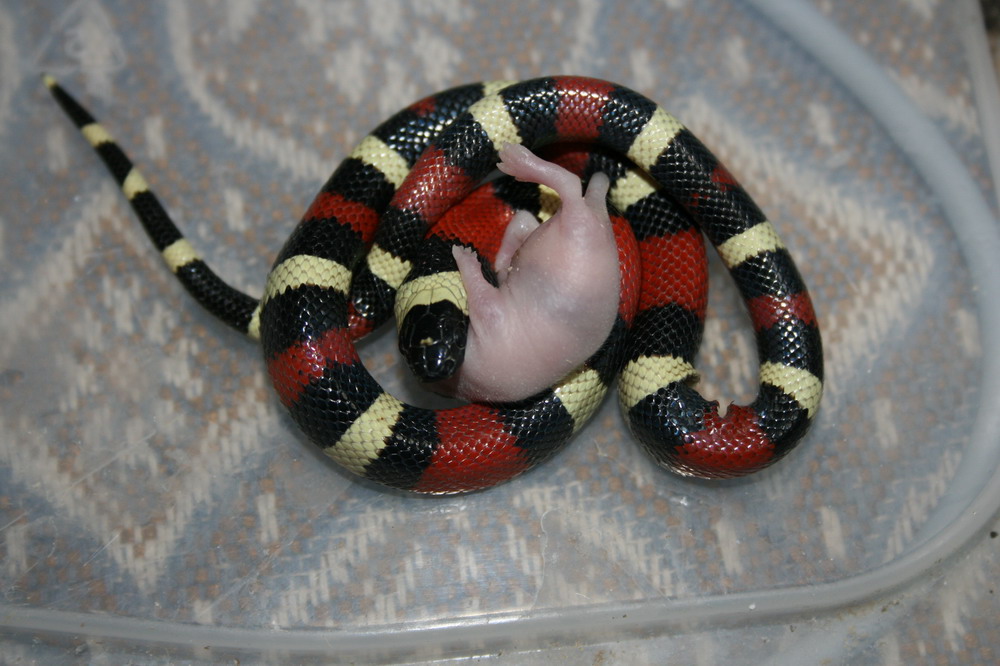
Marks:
<point>432,340</point>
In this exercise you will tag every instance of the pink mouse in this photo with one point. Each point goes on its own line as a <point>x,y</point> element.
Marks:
<point>558,293</point>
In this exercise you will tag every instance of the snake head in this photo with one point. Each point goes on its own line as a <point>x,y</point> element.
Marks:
<point>432,340</point>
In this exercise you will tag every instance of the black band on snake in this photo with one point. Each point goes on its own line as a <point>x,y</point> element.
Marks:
<point>385,221</point>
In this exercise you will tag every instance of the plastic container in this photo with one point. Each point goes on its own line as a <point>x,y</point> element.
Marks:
<point>156,504</point>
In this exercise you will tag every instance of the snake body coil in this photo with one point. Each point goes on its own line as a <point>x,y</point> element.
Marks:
<point>363,238</point>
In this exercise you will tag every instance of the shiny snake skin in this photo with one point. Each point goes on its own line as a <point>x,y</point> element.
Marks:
<point>362,239</point>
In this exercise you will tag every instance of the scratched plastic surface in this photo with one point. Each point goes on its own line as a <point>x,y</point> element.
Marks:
<point>156,503</point>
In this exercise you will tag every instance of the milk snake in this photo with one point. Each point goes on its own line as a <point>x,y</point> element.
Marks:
<point>336,278</point>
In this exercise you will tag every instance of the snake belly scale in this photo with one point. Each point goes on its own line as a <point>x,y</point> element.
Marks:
<point>371,231</point>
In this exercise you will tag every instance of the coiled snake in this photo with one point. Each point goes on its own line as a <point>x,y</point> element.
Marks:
<point>363,238</point>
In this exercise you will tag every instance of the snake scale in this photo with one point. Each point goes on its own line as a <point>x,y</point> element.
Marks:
<point>384,222</point>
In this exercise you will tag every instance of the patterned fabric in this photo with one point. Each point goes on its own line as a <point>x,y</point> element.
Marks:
<point>148,472</point>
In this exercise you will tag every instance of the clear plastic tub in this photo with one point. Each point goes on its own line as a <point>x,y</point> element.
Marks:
<point>156,504</point>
